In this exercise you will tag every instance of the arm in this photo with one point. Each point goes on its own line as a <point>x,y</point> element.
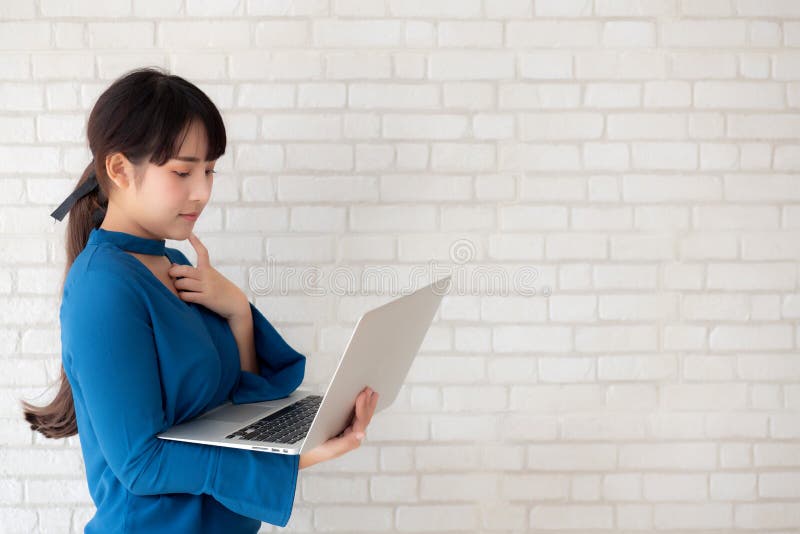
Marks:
<point>109,348</point>
<point>281,368</point>
<point>242,328</point>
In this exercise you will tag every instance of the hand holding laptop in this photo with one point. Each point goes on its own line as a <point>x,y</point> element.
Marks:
<point>349,439</point>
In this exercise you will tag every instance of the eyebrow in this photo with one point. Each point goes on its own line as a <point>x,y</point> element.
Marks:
<point>188,158</point>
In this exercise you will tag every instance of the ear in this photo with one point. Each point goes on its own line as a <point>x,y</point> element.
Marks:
<point>120,170</point>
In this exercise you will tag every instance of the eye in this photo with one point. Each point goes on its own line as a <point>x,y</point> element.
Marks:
<point>185,174</point>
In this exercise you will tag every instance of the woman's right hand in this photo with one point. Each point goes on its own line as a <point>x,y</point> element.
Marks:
<point>351,437</point>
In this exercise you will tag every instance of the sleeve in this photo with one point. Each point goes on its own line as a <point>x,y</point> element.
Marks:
<point>111,352</point>
<point>281,368</point>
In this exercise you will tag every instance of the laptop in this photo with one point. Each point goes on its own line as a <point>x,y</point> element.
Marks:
<point>379,354</point>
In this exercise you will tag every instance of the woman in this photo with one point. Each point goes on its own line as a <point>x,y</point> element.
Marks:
<point>150,341</point>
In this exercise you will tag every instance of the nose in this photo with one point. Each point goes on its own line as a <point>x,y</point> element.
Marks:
<point>200,189</point>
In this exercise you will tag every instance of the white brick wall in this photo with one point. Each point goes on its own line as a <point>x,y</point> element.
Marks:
<point>641,155</point>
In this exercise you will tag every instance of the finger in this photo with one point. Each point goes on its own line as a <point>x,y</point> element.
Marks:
<point>358,422</point>
<point>188,284</point>
<point>202,251</point>
<point>373,403</point>
<point>363,405</point>
<point>187,271</point>
<point>189,296</point>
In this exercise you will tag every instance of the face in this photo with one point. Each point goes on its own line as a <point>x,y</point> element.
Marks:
<point>156,208</point>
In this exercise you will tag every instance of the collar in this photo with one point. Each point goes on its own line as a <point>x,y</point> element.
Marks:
<point>126,241</point>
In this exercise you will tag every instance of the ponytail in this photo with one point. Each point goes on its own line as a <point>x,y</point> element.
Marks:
<point>57,419</point>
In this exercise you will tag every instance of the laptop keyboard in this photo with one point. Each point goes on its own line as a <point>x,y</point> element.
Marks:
<point>287,425</point>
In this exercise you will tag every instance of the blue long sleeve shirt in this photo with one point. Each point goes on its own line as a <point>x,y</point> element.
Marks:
<point>139,360</point>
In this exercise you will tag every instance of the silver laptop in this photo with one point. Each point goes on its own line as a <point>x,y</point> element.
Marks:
<point>379,354</point>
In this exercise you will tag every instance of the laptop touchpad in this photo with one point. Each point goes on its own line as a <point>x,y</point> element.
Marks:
<point>236,413</point>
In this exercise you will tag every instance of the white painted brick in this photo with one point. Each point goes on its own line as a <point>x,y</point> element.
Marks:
<point>767,8</point>
<point>516,247</point>
<point>436,518</point>
<point>738,94</point>
<point>563,8</point>
<point>706,125</point>
<point>462,157</point>
<point>709,245</point>
<point>421,188</point>
<point>635,8</point>
<point>751,276</point>
<point>615,338</point>
<point>561,126</point>
<point>703,33</point>
<point>756,337</point>
<point>487,126</point>
<point>602,218</point>
<point>667,94</point>
<point>664,156</point>
<point>675,487</point>
<point>203,34</point>
<point>754,66</point>
<point>620,64</point>
<point>627,34</point>
<point>647,126</point>
<point>546,65</point>
<point>763,126</point>
<point>531,95</point>
<point>531,338</point>
<point>473,95</point>
<point>296,127</point>
<point>575,246</point>
<point>495,187</point>
<point>787,158</point>
<point>468,218</point>
<point>572,308</point>
<point>756,188</point>
<point>708,8</point>
<point>282,33</point>
<point>612,95</point>
<point>693,516</point>
<point>553,33</point>
<point>508,8</point>
<point>664,217</point>
<point>619,276</point>
<point>613,156</point>
<point>671,188</point>
<point>705,65</point>
<point>424,127</point>
<point>520,217</point>
<point>736,217</point>
<point>754,155</point>
<point>487,34</point>
<point>475,65</point>
<point>540,157</point>
<point>636,368</point>
<point>120,35</point>
<point>638,307</point>
<point>25,36</point>
<point>563,188</point>
<point>643,247</point>
<point>388,218</point>
<point>719,156</point>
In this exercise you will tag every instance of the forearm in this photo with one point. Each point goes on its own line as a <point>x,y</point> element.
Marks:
<point>242,328</point>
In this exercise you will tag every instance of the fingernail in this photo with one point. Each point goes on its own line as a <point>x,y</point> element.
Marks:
<point>359,436</point>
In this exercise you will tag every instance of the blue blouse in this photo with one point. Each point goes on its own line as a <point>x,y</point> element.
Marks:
<point>140,360</point>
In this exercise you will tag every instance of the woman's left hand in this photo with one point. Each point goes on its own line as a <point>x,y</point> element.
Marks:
<point>207,286</point>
